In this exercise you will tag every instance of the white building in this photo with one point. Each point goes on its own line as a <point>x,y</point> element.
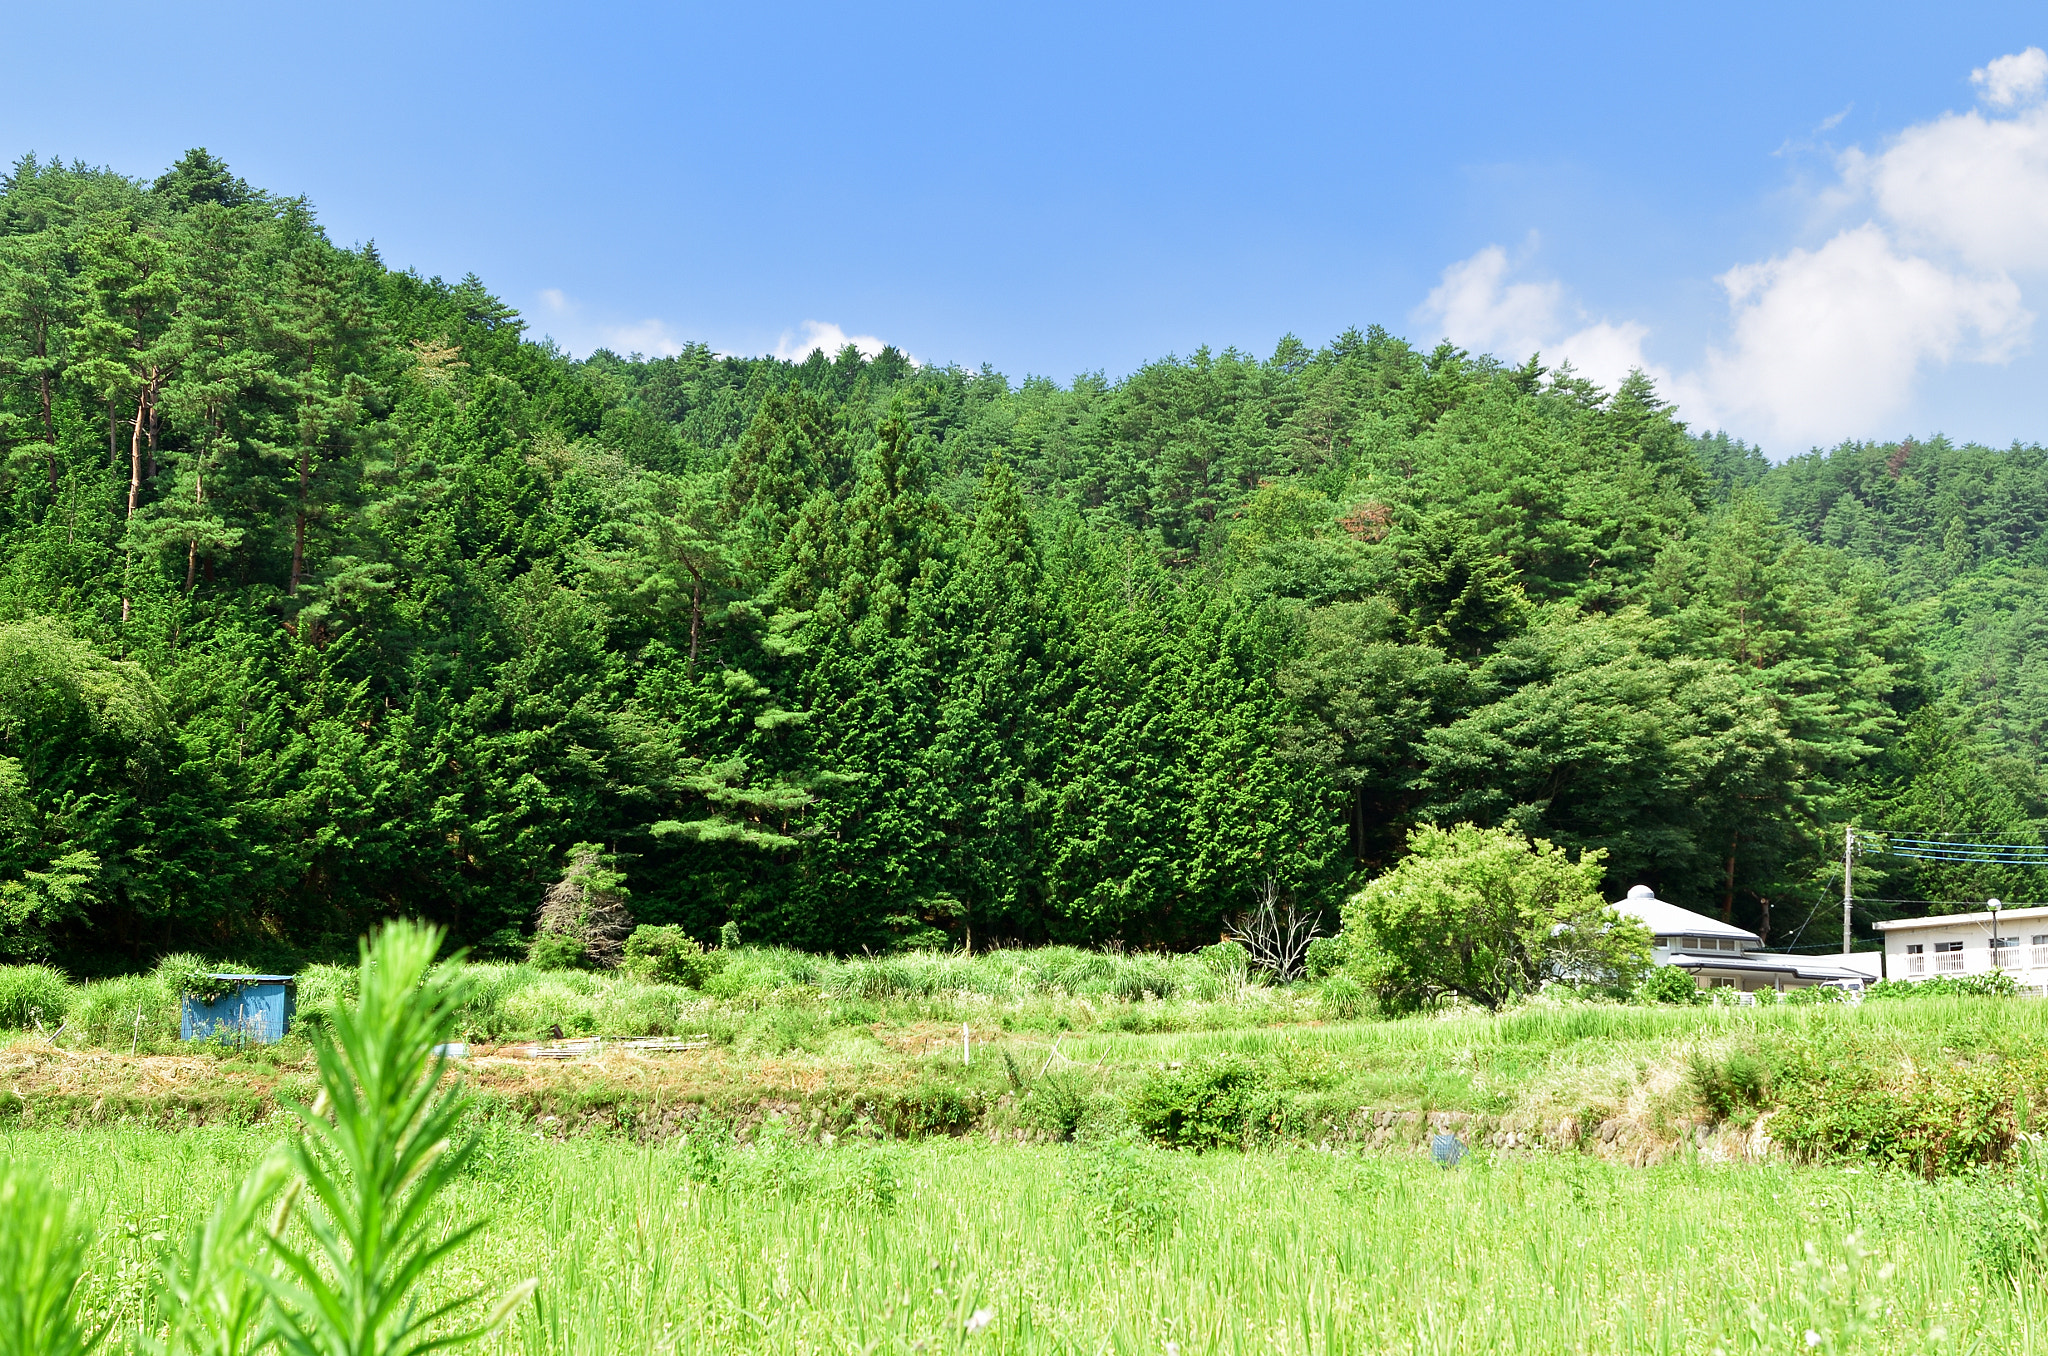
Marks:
<point>1957,944</point>
<point>1721,956</point>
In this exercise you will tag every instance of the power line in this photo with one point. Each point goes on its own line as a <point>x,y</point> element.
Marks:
<point>1922,847</point>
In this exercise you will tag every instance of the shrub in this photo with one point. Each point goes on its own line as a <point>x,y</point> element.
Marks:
<point>1813,994</point>
<point>1489,915</point>
<point>1997,984</point>
<point>186,974</point>
<point>1205,1105</point>
<point>555,951</point>
<point>934,1107</point>
<point>1670,984</point>
<point>1327,955</point>
<point>32,992</point>
<point>1735,1082</point>
<point>668,955</point>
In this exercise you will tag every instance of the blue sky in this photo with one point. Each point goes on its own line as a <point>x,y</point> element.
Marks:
<point>1809,222</point>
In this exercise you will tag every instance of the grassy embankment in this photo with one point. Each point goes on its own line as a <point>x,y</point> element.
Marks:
<point>1070,1043</point>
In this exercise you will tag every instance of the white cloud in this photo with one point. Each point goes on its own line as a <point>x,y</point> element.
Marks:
<point>1827,343</point>
<point>1830,342</point>
<point>652,337</point>
<point>580,334</point>
<point>1966,183</point>
<point>796,345</point>
<point>2012,80</point>
<point>1478,308</point>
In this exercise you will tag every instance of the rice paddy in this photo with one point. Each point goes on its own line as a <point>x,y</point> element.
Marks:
<point>945,1246</point>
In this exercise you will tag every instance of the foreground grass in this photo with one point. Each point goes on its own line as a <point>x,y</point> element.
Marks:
<point>786,1247</point>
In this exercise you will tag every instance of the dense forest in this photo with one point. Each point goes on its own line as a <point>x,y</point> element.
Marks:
<point>326,593</point>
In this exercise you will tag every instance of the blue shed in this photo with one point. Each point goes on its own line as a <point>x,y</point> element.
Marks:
<point>255,1008</point>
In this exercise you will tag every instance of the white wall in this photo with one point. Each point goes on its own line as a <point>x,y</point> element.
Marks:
<point>2027,963</point>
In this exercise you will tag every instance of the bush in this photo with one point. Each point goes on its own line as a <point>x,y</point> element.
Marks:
<point>1738,1081</point>
<point>29,992</point>
<point>668,955</point>
<point>555,951</point>
<point>934,1107</point>
<point>1205,1105</point>
<point>1997,984</point>
<point>1670,984</point>
<point>1326,956</point>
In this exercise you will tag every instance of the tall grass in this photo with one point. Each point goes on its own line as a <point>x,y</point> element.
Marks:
<point>784,1247</point>
<point>1045,988</point>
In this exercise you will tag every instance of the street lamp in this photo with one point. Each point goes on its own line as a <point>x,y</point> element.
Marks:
<point>1997,957</point>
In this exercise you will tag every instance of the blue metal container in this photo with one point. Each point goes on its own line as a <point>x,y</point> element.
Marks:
<point>256,1009</point>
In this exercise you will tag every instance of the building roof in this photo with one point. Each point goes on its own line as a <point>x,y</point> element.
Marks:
<point>1777,963</point>
<point>1945,919</point>
<point>1668,919</point>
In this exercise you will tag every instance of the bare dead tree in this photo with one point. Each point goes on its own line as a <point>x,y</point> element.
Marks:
<point>1277,933</point>
<point>588,906</point>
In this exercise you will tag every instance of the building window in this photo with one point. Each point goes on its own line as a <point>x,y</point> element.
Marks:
<point>1948,957</point>
<point>2039,960</point>
<point>1916,958</point>
<point>2005,952</point>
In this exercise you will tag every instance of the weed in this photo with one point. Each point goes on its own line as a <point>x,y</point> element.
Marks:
<point>1126,1192</point>
<point>1738,1081</point>
<point>1058,1103</point>
<point>871,1181</point>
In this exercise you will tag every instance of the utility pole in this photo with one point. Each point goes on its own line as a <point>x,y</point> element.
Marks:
<point>1848,884</point>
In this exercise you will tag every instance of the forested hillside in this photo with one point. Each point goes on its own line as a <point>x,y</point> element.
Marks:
<point>329,594</point>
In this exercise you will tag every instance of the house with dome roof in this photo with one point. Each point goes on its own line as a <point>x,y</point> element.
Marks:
<point>1720,955</point>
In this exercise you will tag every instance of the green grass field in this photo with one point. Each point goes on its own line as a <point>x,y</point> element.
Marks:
<point>788,1247</point>
<point>845,1181</point>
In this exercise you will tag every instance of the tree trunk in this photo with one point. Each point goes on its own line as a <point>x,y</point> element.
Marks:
<point>192,543</point>
<point>135,456</point>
